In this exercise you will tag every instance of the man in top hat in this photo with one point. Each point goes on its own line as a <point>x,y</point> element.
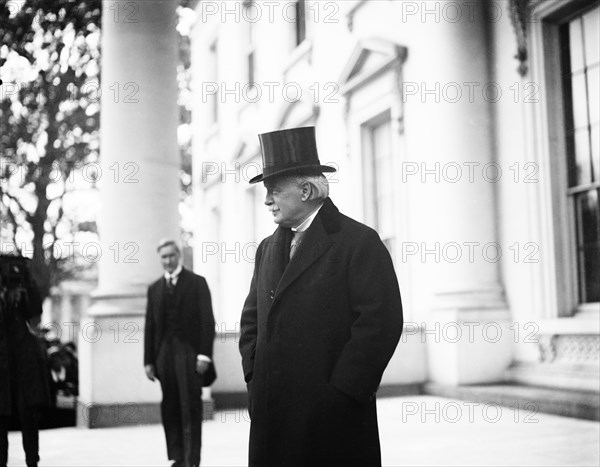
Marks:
<point>178,343</point>
<point>320,323</point>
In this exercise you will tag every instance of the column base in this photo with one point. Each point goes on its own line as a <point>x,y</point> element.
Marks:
<point>564,376</point>
<point>524,402</point>
<point>113,388</point>
<point>468,347</point>
<point>93,415</point>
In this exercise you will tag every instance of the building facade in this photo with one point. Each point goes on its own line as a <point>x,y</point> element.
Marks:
<point>465,133</point>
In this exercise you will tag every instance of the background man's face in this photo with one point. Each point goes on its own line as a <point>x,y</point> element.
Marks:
<point>284,199</point>
<point>169,258</point>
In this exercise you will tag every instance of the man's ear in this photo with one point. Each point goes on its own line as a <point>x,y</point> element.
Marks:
<point>306,191</point>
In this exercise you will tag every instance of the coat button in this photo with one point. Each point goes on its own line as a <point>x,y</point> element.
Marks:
<point>272,294</point>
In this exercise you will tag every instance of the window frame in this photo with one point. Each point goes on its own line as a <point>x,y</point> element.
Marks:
<point>370,176</point>
<point>576,188</point>
<point>250,51</point>
<point>213,51</point>
<point>546,45</point>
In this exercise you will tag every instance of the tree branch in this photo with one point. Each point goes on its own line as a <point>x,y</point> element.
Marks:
<point>17,202</point>
<point>13,222</point>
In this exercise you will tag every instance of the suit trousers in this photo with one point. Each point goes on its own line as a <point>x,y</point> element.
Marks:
<point>29,418</point>
<point>181,406</point>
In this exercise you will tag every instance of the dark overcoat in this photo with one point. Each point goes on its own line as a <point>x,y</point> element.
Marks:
<point>23,364</point>
<point>195,308</point>
<point>316,336</point>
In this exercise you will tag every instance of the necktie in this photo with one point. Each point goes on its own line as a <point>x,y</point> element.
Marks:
<point>171,284</point>
<point>296,239</point>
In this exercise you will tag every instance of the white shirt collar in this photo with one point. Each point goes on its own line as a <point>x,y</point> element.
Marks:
<point>307,222</point>
<point>175,274</point>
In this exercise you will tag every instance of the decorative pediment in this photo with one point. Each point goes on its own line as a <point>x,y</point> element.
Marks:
<point>369,58</point>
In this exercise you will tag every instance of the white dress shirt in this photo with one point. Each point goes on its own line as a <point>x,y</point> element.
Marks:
<point>174,276</point>
<point>305,224</point>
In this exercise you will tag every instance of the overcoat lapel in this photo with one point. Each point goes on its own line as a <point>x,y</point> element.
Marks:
<point>315,243</point>
<point>276,255</point>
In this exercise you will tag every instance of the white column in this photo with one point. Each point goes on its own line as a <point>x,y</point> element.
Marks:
<point>139,188</point>
<point>66,310</point>
<point>469,339</point>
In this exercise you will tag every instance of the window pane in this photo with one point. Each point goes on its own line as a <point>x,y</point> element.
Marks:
<point>582,157</point>
<point>581,81</point>
<point>588,214</point>
<point>384,185</point>
<point>251,68</point>
<point>580,118</point>
<point>595,153</point>
<point>592,282</point>
<point>571,167</point>
<point>588,243</point>
<point>576,46</point>
<point>214,78</point>
<point>591,23</point>
<point>300,21</point>
<point>593,85</point>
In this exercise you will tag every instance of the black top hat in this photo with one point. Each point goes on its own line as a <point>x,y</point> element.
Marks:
<point>290,151</point>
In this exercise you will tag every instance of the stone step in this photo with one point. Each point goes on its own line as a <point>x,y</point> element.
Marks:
<point>568,403</point>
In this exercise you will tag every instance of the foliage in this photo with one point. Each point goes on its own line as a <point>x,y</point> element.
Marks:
<point>49,118</point>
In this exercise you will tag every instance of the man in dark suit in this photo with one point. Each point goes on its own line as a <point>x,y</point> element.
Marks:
<point>320,323</point>
<point>23,371</point>
<point>178,342</point>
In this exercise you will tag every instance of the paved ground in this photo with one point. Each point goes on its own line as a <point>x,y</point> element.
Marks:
<point>416,430</point>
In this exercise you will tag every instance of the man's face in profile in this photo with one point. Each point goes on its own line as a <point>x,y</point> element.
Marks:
<point>169,258</point>
<point>284,200</point>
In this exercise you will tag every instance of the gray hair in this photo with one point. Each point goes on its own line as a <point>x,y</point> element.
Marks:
<point>319,186</point>
<point>168,242</point>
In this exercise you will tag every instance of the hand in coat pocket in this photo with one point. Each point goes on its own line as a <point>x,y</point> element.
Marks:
<point>150,372</point>
<point>202,366</point>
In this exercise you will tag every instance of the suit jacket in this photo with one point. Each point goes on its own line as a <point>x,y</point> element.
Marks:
<point>22,353</point>
<point>194,310</point>
<point>316,336</point>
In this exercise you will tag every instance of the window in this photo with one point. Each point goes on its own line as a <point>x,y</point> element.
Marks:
<point>250,61</point>
<point>579,43</point>
<point>378,169</point>
<point>300,22</point>
<point>251,14</point>
<point>213,79</point>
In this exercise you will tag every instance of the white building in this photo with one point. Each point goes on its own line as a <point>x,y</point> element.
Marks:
<point>478,169</point>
